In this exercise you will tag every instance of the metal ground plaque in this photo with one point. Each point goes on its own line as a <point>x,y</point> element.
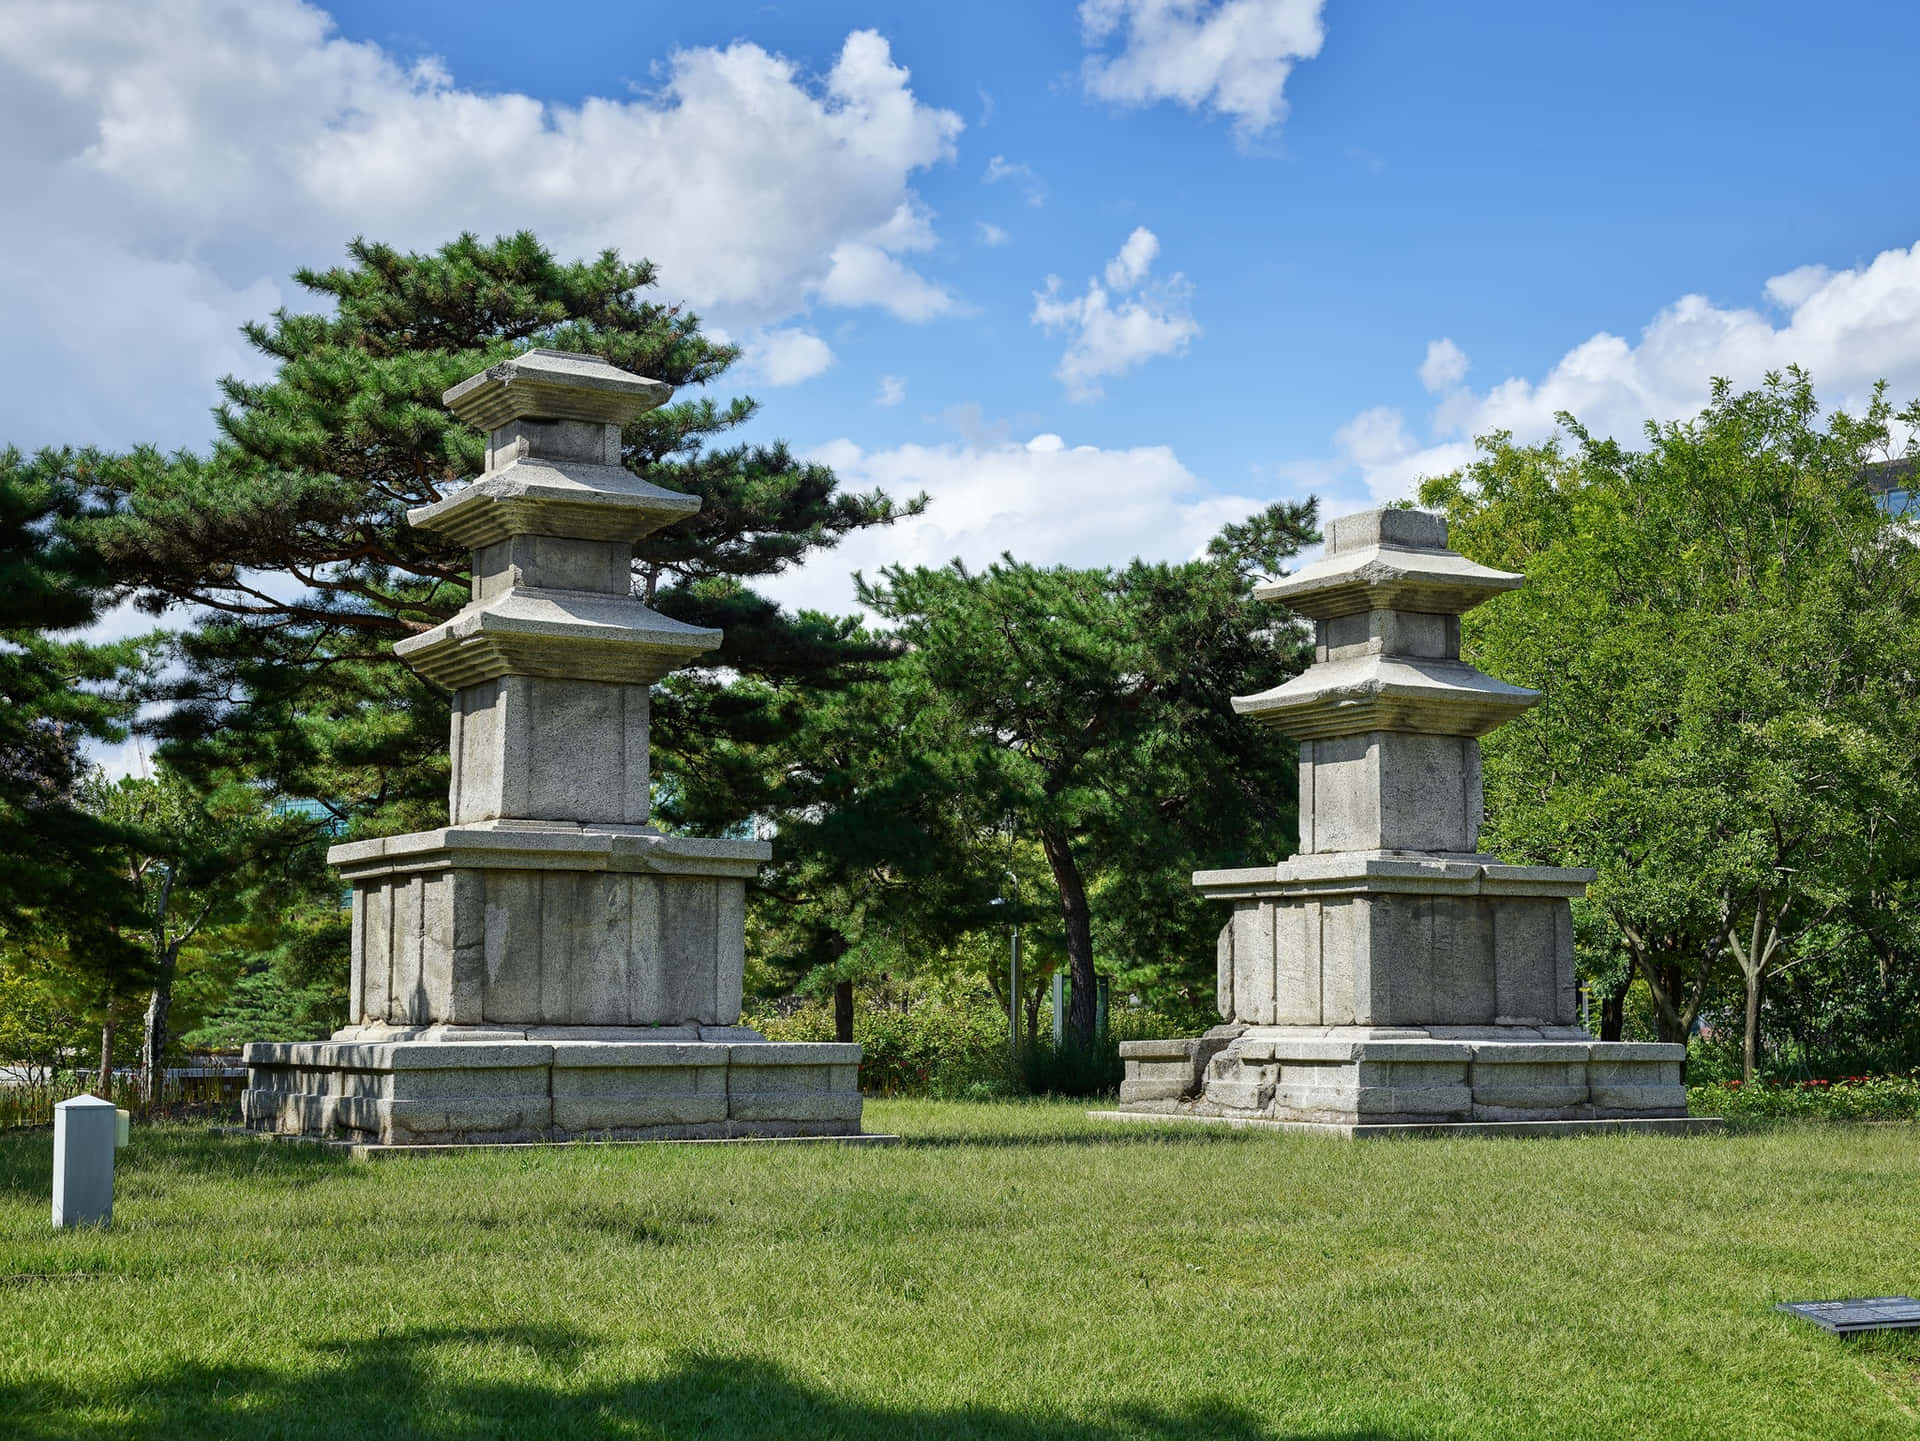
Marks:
<point>1845,1318</point>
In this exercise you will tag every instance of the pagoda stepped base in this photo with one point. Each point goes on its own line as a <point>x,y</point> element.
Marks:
<point>503,1090</point>
<point>1346,1077</point>
<point>1432,1131</point>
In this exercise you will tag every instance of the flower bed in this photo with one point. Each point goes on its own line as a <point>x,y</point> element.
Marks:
<point>1849,1098</point>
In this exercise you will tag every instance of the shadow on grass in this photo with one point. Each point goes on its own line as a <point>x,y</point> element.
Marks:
<point>510,1382</point>
<point>26,1161</point>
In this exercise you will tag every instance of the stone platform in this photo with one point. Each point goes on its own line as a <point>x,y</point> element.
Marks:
<point>1672,1126</point>
<point>501,1091</point>
<point>1376,1076</point>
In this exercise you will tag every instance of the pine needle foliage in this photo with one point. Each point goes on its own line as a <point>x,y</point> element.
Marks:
<point>289,546</point>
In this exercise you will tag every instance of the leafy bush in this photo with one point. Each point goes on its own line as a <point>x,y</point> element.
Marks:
<point>957,1049</point>
<point>947,1051</point>
<point>1851,1098</point>
<point>1072,1070</point>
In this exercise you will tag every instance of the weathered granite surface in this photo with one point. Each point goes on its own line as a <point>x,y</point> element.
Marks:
<point>1388,976</point>
<point>549,965</point>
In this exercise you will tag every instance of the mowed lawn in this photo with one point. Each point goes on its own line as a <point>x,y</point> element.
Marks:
<point>1009,1271</point>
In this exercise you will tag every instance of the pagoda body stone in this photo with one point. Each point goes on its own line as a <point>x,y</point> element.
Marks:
<point>549,966</point>
<point>1389,976</point>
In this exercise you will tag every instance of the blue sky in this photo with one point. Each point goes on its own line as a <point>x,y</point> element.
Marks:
<point>1296,247</point>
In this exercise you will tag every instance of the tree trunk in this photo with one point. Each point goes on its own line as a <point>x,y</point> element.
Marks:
<point>153,1040</point>
<point>1755,956</point>
<point>843,1011</point>
<point>1676,1003</point>
<point>103,1084</point>
<point>1673,1020</point>
<point>1078,920</point>
<point>1613,1010</point>
<point>1032,1001</point>
<point>153,1037</point>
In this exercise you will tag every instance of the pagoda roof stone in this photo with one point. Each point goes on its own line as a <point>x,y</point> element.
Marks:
<point>554,385</point>
<point>535,496</point>
<point>559,634</point>
<point>1387,693</point>
<point>1389,577</point>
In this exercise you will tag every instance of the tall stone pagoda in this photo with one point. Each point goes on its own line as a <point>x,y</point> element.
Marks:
<point>549,966</point>
<point>1389,976</point>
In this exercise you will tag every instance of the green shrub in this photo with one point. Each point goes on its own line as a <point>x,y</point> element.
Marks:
<point>1071,1070</point>
<point>958,1050</point>
<point>1851,1098</point>
<point>948,1051</point>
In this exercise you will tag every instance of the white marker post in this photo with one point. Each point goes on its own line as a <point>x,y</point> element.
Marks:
<point>85,1132</point>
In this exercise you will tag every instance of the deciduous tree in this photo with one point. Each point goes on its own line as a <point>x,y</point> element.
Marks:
<point>1724,627</point>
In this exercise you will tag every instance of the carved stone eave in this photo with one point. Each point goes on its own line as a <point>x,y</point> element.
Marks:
<point>554,385</point>
<point>1351,873</point>
<point>559,634</point>
<point>1382,577</point>
<point>574,499</point>
<point>1386,692</point>
<point>554,845</point>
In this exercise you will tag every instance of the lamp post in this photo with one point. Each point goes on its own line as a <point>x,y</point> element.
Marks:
<point>1013,976</point>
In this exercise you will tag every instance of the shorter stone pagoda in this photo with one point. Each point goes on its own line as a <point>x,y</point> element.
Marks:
<point>1389,977</point>
<point>549,966</point>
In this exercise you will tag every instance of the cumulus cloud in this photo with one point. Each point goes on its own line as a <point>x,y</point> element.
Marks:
<point>1115,327</point>
<point>1444,367</point>
<point>1229,56</point>
<point>180,158</point>
<point>1030,185</point>
<point>1129,267</point>
<point>1049,502</point>
<point>1848,328</point>
<point>788,356</point>
<point>989,234</point>
<point>893,390</point>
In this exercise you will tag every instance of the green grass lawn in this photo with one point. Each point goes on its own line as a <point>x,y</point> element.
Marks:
<point>1010,1270</point>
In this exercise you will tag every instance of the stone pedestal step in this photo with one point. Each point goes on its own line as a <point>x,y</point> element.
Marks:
<point>414,1093</point>
<point>373,1151</point>
<point>1433,1131</point>
<point>1308,1078</point>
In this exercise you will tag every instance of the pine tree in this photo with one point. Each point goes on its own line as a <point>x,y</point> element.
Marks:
<point>289,541</point>
<point>1098,702</point>
<point>881,836</point>
<point>59,885</point>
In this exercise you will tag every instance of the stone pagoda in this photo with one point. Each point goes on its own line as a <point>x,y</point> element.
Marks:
<point>549,966</point>
<point>1389,976</point>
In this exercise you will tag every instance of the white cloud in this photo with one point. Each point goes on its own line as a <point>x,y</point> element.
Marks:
<point>1030,185</point>
<point>1129,267</point>
<point>1230,56</point>
<point>1444,367</point>
<point>865,274</point>
<point>180,158</point>
<point>1109,338</point>
<point>788,356</point>
<point>990,234</point>
<point>1046,501</point>
<point>1848,328</point>
<point>893,390</point>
